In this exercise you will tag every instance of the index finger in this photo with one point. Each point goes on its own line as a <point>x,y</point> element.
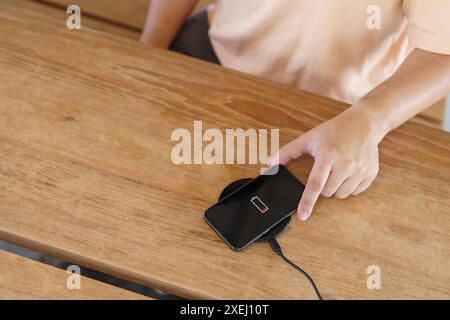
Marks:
<point>316,182</point>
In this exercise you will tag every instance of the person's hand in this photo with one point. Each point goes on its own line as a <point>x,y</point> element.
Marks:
<point>345,151</point>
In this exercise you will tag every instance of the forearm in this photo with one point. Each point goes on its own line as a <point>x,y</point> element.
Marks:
<point>164,19</point>
<point>423,79</point>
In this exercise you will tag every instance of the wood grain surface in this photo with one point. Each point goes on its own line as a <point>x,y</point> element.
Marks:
<point>24,279</point>
<point>86,174</point>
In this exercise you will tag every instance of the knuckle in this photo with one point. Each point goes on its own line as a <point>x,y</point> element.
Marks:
<point>332,152</point>
<point>361,167</point>
<point>350,164</point>
<point>316,184</point>
<point>323,159</point>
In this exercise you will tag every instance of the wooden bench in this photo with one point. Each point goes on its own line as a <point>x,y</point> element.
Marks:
<point>60,15</point>
<point>126,13</point>
<point>22,278</point>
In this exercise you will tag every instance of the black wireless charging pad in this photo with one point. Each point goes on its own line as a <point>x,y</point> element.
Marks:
<point>273,233</point>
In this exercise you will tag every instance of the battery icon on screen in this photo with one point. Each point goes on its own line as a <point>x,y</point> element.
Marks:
<point>257,202</point>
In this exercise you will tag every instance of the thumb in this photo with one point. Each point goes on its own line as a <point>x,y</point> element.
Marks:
<point>288,152</point>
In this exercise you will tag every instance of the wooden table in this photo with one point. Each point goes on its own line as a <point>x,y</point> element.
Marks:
<point>86,174</point>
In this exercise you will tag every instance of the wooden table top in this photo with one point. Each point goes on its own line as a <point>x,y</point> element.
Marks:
<point>86,174</point>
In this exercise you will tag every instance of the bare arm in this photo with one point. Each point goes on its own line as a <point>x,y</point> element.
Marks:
<point>423,79</point>
<point>345,148</point>
<point>164,19</point>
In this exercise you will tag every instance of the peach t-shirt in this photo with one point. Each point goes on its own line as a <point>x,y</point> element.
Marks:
<point>341,49</point>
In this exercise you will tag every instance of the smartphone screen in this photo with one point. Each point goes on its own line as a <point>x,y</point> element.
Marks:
<point>252,210</point>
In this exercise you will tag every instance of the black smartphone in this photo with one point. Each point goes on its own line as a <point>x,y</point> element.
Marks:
<point>253,209</point>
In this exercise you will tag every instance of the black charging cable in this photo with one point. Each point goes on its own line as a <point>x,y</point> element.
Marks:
<point>277,249</point>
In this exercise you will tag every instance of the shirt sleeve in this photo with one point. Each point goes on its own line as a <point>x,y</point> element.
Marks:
<point>429,24</point>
